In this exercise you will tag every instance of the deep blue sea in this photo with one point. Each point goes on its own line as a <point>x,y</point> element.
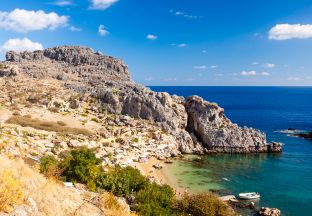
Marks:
<point>283,180</point>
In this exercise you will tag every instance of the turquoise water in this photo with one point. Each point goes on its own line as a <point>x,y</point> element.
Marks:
<point>283,180</point>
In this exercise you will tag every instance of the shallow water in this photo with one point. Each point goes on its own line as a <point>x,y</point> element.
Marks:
<point>283,180</point>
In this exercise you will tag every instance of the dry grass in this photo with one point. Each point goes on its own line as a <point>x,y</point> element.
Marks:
<point>46,125</point>
<point>11,191</point>
<point>111,206</point>
<point>51,197</point>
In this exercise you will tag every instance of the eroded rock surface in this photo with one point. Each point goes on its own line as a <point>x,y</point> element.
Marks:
<point>208,122</point>
<point>197,125</point>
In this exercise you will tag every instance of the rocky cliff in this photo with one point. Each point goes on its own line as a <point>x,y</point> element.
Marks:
<point>197,125</point>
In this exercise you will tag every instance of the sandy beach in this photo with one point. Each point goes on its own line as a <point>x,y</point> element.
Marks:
<point>158,175</point>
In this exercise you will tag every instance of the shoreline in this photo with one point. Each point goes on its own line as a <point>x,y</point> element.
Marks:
<point>159,175</point>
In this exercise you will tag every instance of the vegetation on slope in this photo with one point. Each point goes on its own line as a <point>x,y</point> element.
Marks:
<point>145,197</point>
<point>58,127</point>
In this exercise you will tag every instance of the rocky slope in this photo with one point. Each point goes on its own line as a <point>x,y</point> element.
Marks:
<point>196,126</point>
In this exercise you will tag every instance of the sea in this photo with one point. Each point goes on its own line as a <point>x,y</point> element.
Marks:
<point>283,180</point>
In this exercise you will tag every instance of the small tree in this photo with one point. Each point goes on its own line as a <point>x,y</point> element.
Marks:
<point>81,166</point>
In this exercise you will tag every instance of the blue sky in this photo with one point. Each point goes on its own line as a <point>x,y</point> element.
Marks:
<point>175,42</point>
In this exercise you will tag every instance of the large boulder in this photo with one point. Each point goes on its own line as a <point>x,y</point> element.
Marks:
<point>217,133</point>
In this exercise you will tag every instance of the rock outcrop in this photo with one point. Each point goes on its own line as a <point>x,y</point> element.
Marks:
<point>304,135</point>
<point>217,133</point>
<point>199,126</point>
<point>265,211</point>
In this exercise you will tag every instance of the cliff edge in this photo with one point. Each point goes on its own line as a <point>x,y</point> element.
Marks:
<point>197,125</point>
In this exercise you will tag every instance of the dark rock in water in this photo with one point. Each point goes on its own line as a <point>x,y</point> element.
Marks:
<point>265,211</point>
<point>273,147</point>
<point>291,129</point>
<point>198,159</point>
<point>304,135</point>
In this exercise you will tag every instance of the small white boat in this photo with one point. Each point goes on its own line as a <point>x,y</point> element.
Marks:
<point>249,196</point>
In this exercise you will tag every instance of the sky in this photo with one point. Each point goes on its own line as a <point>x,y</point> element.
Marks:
<point>175,42</point>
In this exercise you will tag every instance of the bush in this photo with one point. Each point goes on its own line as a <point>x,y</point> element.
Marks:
<point>49,166</point>
<point>11,191</point>
<point>147,198</point>
<point>205,204</point>
<point>81,166</point>
<point>154,199</point>
<point>122,181</point>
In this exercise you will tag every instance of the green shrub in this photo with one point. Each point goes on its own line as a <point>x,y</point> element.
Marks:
<point>122,181</point>
<point>154,199</point>
<point>205,204</point>
<point>81,166</point>
<point>46,162</point>
<point>135,140</point>
<point>49,166</point>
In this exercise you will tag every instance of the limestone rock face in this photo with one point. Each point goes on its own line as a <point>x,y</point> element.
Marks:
<point>197,125</point>
<point>8,71</point>
<point>70,62</point>
<point>217,133</point>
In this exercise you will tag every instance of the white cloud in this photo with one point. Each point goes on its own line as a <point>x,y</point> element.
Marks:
<point>254,73</point>
<point>181,45</point>
<point>200,67</point>
<point>248,73</point>
<point>265,73</point>
<point>293,78</point>
<point>102,4</point>
<point>151,37</point>
<point>21,20</point>
<point>190,79</point>
<point>103,31</point>
<point>269,65</point>
<point>288,31</point>
<point>255,63</point>
<point>20,45</point>
<point>75,29</point>
<point>183,14</point>
<point>214,66</point>
<point>62,3</point>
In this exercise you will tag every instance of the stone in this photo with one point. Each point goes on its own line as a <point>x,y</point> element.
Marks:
<point>74,143</point>
<point>265,211</point>
<point>304,135</point>
<point>58,105</point>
